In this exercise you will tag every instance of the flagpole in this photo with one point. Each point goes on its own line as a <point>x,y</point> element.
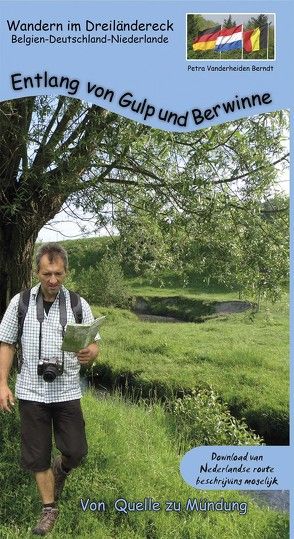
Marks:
<point>220,51</point>
<point>268,25</point>
<point>242,29</point>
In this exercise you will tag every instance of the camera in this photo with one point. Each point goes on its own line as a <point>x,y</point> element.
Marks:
<point>50,368</point>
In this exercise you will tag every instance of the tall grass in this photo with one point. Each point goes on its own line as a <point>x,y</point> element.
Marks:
<point>245,361</point>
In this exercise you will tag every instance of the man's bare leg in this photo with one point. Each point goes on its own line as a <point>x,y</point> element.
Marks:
<point>45,482</point>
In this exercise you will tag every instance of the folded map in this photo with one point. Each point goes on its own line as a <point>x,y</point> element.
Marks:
<point>79,336</point>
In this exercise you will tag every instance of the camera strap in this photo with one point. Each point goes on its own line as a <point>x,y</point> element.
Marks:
<point>62,316</point>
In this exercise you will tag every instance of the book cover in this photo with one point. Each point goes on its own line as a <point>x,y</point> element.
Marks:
<point>156,134</point>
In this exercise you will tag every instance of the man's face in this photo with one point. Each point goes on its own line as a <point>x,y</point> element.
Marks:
<point>51,276</point>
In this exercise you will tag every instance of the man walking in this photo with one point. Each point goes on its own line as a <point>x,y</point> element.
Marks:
<point>47,386</point>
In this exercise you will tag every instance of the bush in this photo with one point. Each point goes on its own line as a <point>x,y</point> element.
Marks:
<point>202,419</point>
<point>104,284</point>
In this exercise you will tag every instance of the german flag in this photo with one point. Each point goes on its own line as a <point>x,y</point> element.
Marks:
<point>255,39</point>
<point>206,39</point>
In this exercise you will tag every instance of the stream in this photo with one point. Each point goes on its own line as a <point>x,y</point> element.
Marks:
<point>274,499</point>
<point>158,318</point>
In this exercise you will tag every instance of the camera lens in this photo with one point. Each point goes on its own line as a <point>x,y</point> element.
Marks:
<point>50,373</point>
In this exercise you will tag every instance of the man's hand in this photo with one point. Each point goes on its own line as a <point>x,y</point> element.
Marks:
<point>6,398</point>
<point>6,359</point>
<point>87,355</point>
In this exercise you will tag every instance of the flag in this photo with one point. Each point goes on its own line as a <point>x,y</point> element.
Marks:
<point>255,39</point>
<point>229,39</point>
<point>206,39</point>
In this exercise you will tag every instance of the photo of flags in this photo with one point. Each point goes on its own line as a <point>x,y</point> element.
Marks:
<point>231,36</point>
<point>255,39</point>
<point>206,39</point>
<point>229,39</point>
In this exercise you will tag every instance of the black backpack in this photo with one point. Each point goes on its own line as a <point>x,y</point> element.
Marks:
<point>23,305</point>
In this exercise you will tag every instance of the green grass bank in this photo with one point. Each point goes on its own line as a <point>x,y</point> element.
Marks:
<point>132,455</point>
<point>244,360</point>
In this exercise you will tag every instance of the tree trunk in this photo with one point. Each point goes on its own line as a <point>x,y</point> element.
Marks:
<point>16,249</point>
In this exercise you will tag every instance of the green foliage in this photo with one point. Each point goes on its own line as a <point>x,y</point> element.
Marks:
<point>246,250</point>
<point>82,156</point>
<point>256,22</point>
<point>12,505</point>
<point>143,244</point>
<point>229,22</point>
<point>88,252</point>
<point>104,284</point>
<point>202,419</point>
<point>223,223</point>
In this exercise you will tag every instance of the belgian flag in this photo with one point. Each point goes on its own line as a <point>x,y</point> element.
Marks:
<point>206,39</point>
<point>255,39</point>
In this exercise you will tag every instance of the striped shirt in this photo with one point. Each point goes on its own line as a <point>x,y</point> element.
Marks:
<point>29,385</point>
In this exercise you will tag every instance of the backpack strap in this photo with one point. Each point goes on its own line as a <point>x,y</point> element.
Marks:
<point>76,306</point>
<point>23,305</point>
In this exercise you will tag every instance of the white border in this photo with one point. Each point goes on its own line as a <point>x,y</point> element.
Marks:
<point>232,59</point>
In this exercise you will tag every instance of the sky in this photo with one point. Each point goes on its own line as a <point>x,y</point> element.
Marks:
<point>66,227</point>
<point>240,18</point>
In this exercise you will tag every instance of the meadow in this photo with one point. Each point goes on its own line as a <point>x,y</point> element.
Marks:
<point>243,357</point>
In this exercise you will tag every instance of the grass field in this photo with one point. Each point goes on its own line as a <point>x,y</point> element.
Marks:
<point>244,358</point>
<point>132,455</point>
<point>171,287</point>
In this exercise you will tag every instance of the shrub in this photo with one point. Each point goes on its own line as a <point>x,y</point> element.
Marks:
<point>202,419</point>
<point>104,284</point>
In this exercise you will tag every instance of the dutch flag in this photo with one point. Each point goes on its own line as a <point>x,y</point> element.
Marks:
<point>229,39</point>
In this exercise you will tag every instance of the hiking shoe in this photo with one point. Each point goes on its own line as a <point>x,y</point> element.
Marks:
<point>47,521</point>
<point>59,477</point>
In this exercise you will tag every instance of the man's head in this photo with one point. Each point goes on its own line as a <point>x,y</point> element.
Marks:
<point>51,268</point>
